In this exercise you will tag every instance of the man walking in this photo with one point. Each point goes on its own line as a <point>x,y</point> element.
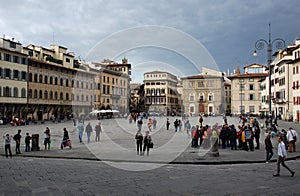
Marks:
<point>281,157</point>
<point>291,138</point>
<point>17,138</point>
<point>98,129</point>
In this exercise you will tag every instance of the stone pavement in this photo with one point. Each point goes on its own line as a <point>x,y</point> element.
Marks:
<point>118,144</point>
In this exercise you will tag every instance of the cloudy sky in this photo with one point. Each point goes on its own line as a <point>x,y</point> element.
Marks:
<point>179,36</point>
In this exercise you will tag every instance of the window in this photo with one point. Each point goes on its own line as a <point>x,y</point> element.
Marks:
<point>192,109</point>
<point>251,97</point>
<point>12,44</point>
<point>35,78</point>
<point>251,79</point>
<point>41,79</point>
<point>67,83</point>
<point>16,94</point>
<point>15,74</point>
<point>23,93</point>
<point>35,94</point>
<point>30,93</point>
<point>16,59</point>
<point>51,95</point>
<point>7,73</point>
<point>251,87</point>
<point>192,98</point>
<point>68,60</point>
<point>201,84</point>
<point>210,97</point>
<point>55,81</point>
<point>23,75</point>
<point>61,96</point>
<point>41,94</point>
<point>45,94</point>
<point>61,82</point>
<point>251,109</point>
<point>56,96</point>
<point>67,96</point>
<point>201,98</point>
<point>7,57</point>
<point>242,96</point>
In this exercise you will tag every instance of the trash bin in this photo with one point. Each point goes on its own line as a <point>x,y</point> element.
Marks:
<point>35,142</point>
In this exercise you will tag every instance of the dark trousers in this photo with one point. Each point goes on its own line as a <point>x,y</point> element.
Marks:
<point>139,147</point>
<point>280,160</point>
<point>7,150</point>
<point>233,144</point>
<point>97,137</point>
<point>269,154</point>
<point>224,143</point>
<point>250,143</point>
<point>18,148</point>
<point>27,148</point>
<point>146,146</point>
<point>257,142</point>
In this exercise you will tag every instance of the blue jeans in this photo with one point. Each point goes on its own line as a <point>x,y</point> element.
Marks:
<point>269,154</point>
<point>80,136</point>
<point>88,134</point>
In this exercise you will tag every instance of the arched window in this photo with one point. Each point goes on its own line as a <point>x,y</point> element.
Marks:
<point>16,94</point>
<point>56,96</point>
<point>35,77</point>
<point>6,92</point>
<point>30,93</point>
<point>61,96</point>
<point>67,96</point>
<point>72,97</point>
<point>82,98</point>
<point>67,83</point>
<point>72,83</point>
<point>77,84</point>
<point>87,98</point>
<point>51,80</point>
<point>55,82</point>
<point>41,94</point>
<point>45,94</point>
<point>40,79</point>
<point>0,91</point>
<point>23,93</point>
<point>35,94</point>
<point>46,80</point>
<point>61,82</point>
<point>51,95</point>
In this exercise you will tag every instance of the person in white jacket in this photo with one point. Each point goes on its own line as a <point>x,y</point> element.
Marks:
<point>291,137</point>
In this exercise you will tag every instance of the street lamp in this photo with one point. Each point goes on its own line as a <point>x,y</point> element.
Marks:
<point>259,45</point>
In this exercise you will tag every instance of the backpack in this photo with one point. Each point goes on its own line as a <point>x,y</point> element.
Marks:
<point>248,134</point>
<point>15,137</point>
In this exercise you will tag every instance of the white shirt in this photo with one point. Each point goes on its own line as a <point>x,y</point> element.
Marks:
<point>281,149</point>
<point>290,134</point>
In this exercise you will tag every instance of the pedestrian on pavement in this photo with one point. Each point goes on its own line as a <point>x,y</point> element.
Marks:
<point>80,129</point>
<point>17,138</point>
<point>88,130</point>
<point>292,138</point>
<point>66,140</point>
<point>47,139</point>
<point>257,136</point>
<point>269,148</point>
<point>233,137</point>
<point>201,121</point>
<point>27,142</point>
<point>139,142</point>
<point>239,136</point>
<point>147,142</point>
<point>283,134</point>
<point>140,123</point>
<point>98,130</point>
<point>7,141</point>
<point>249,136</point>
<point>282,154</point>
<point>179,125</point>
<point>168,123</point>
<point>176,124</point>
<point>154,122</point>
<point>187,126</point>
<point>223,135</point>
<point>149,124</point>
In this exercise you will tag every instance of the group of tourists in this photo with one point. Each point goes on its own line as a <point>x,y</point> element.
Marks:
<point>88,130</point>
<point>143,143</point>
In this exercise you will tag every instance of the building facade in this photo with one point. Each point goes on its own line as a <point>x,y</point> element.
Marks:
<point>161,94</point>
<point>245,90</point>
<point>13,80</point>
<point>203,94</point>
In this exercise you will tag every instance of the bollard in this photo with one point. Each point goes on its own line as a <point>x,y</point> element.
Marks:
<point>35,142</point>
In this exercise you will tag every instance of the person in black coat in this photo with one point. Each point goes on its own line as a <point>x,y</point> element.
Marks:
<point>269,148</point>
<point>147,141</point>
<point>139,142</point>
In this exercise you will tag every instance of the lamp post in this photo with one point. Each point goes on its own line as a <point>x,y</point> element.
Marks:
<point>259,45</point>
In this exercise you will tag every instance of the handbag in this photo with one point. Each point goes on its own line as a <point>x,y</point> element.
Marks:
<point>294,136</point>
<point>151,144</point>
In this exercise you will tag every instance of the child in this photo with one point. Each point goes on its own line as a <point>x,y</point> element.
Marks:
<point>27,142</point>
<point>7,139</point>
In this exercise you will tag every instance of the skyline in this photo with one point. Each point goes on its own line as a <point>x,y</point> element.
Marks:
<point>228,30</point>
